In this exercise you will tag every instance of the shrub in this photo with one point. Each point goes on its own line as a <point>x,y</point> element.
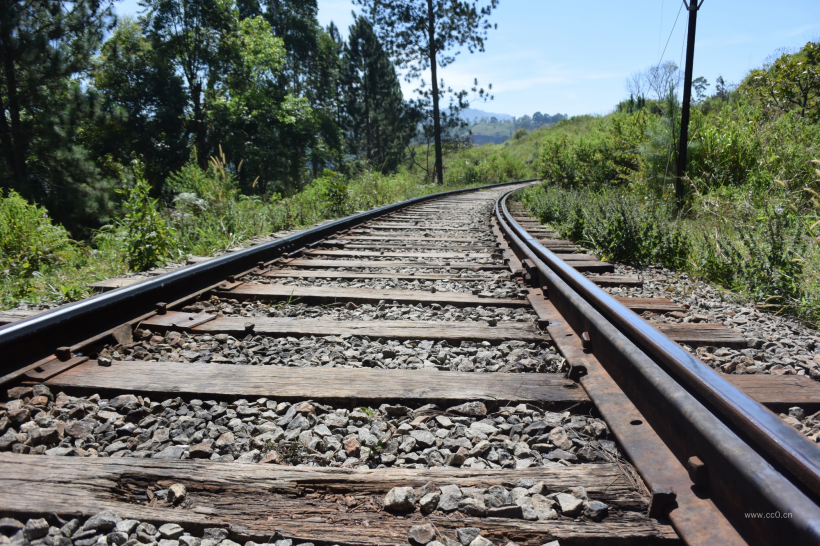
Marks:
<point>29,241</point>
<point>619,226</point>
<point>149,239</point>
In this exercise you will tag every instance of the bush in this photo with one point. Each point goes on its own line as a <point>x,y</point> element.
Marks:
<point>619,226</point>
<point>149,240</point>
<point>29,242</point>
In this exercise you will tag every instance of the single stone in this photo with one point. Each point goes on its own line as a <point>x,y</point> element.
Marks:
<point>544,508</point>
<point>560,454</point>
<point>190,541</point>
<point>429,502</point>
<point>470,409</point>
<point>79,430</point>
<point>203,450</point>
<point>167,542</point>
<point>596,510</point>
<point>457,459</point>
<point>117,537</point>
<point>450,495</point>
<point>10,526</point>
<point>217,534</point>
<point>127,526</point>
<point>35,528</point>
<point>8,439</point>
<point>352,447</point>
<point>420,535</point>
<point>535,429</point>
<point>467,534</point>
<point>558,438</point>
<point>481,541</point>
<point>539,489</point>
<point>512,511</point>
<point>570,505</point>
<point>484,428</point>
<point>104,521</point>
<point>271,457</point>
<point>425,438</point>
<point>527,509</point>
<point>171,531</point>
<point>400,499</point>
<point>518,493</point>
<point>473,506</point>
<point>170,452</point>
<point>225,439</point>
<point>249,457</point>
<point>305,408</point>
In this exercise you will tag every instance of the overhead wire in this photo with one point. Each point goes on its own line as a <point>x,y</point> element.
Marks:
<point>670,34</point>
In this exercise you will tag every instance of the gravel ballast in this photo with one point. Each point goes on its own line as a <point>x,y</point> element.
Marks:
<point>305,433</point>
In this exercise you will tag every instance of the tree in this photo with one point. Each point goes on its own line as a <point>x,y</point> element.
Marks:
<point>636,84</point>
<point>188,33</point>
<point>791,83</point>
<point>418,35</point>
<point>260,124</point>
<point>146,99</point>
<point>46,47</point>
<point>721,90</point>
<point>661,78</point>
<point>700,84</point>
<point>378,124</point>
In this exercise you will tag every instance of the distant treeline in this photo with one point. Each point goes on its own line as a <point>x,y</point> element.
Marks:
<point>524,122</point>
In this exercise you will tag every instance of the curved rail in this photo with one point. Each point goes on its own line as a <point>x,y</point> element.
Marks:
<point>686,396</point>
<point>25,341</point>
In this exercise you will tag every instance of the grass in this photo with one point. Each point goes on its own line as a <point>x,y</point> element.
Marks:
<point>204,214</point>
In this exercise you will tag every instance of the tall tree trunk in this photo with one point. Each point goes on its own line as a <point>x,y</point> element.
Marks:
<point>367,114</point>
<point>199,125</point>
<point>431,33</point>
<point>13,139</point>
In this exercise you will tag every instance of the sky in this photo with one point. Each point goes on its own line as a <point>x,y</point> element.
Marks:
<point>573,57</point>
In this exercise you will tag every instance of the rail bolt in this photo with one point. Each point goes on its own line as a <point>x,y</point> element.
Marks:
<point>63,353</point>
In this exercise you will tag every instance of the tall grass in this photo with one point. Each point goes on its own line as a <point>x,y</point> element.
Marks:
<point>203,213</point>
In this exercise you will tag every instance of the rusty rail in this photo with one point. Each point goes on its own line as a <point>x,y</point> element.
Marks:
<point>754,461</point>
<point>25,342</point>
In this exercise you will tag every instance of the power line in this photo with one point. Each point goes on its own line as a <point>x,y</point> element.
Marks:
<point>670,34</point>
<point>660,27</point>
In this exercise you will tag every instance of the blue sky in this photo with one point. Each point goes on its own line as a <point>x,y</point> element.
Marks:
<point>573,57</point>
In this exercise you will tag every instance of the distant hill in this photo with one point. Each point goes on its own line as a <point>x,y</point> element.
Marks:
<point>473,114</point>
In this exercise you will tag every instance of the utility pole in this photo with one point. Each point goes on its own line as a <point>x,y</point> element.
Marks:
<point>693,6</point>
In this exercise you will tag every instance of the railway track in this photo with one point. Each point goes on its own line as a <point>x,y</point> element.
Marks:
<point>444,369</point>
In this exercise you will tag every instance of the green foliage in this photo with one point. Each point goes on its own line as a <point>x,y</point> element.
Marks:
<point>376,119</point>
<point>421,36</point>
<point>619,226</point>
<point>520,133</point>
<point>46,46</point>
<point>29,241</point>
<point>792,82</point>
<point>149,239</point>
<point>764,260</point>
<point>607,153</point>
<point>474,166</point>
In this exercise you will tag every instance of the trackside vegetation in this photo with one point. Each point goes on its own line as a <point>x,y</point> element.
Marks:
<point>750,220</point>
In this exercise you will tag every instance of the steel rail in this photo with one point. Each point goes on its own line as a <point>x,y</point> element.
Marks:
<point>741,479</point>
<point>30,340</point>
<point>765,429</point>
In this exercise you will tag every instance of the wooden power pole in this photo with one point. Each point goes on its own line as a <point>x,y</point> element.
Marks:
<point>693,6</point>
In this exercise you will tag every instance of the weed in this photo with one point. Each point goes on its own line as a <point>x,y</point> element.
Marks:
<point>149,239</point>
